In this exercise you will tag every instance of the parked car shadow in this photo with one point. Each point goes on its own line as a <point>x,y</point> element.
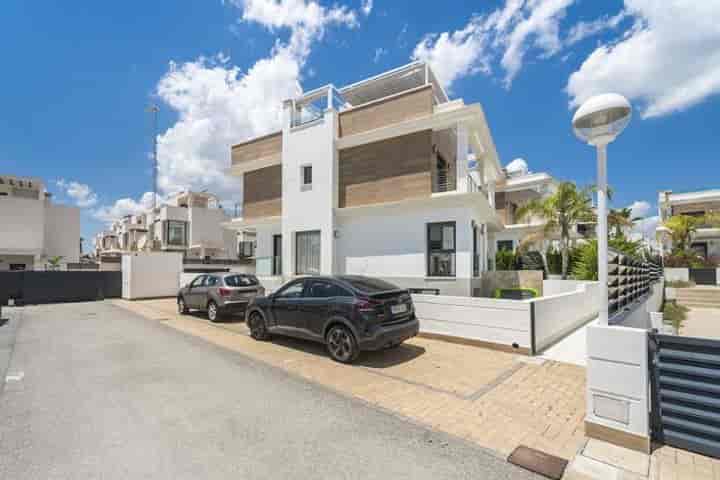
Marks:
<point>377,359</point>
<point>233,318</point>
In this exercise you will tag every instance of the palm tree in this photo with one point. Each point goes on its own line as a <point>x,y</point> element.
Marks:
<point>54,262</point>
<point>562,211</point>
<point>682,228</point>
<point>619,218</point>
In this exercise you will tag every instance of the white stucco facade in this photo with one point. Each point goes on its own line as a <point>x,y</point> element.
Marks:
<point>35,229</point>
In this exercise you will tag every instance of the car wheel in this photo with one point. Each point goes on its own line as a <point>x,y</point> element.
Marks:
<point>341,344</point>
<point>213,312</point>
<point>258,329</point>
<point>182,307</point>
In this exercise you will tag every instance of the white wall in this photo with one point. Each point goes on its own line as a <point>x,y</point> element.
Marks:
<point>62,232</point>
<point>312,144</point>
<point>559,314</point>
<point>205,227</point>
<point>23,225</point>
<point>174,213</point>
<point>617,378</point>
<point>264,249</point>
<point>392,241</point>
<point>504,322</point>
<point>151,274</point>
<point>555,286</point>
<point>677,274</point>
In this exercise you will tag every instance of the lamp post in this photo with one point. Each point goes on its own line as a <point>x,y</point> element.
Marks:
<point>598,122</point>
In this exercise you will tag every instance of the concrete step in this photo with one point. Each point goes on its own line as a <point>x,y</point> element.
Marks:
<point>700,304</point>
<point>712,297</point>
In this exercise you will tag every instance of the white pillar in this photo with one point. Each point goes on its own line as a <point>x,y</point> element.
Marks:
<point>461,164</point>
<point>491,192</point>
<point>602,232</point>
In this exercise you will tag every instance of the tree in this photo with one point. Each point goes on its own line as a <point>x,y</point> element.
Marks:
<point>620,218</point>
<point>561,211</point>
<point>682,228</point>
<point>54,262</point>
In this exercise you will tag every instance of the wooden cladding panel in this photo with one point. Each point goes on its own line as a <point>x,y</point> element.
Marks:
<point>706,207</point>
<point>259,148</point>
<point>262,192</point>
<point>406,106</point>
<point>386,171</point>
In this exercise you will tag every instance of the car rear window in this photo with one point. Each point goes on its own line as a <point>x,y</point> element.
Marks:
<point>370,285</point>
<point>241,281</point>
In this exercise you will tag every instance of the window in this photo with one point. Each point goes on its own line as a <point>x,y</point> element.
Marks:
<point>327,290</point>
<point>505,245</point>
<point>291,291</point>
<point>305,178</point>
<point>199,281</point>
<point>176,233</point>
<point>441,249</point>
<point>212,282</point>
<point>241,281</point>
<point>369,285</point>
<point>246,249</point>
<point>307,253</point>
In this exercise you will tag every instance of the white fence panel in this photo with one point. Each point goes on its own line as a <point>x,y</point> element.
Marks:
<point>558,315</point>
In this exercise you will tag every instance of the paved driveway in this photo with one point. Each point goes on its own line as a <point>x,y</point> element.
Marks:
<point>497,400</point>
<point>95,391</point>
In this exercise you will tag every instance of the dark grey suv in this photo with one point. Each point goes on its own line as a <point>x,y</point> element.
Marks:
<point>347,313</point>
<point>219,294</point>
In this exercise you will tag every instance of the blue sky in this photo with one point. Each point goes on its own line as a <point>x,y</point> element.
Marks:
<point>79,75</point>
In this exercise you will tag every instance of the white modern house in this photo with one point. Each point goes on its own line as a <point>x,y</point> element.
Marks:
<point>373,178</point>
<point>34,228</point>
<point>702,203</point>
<point>189,222</point>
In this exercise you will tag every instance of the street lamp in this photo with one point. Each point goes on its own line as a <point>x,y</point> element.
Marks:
<point>598,122</point>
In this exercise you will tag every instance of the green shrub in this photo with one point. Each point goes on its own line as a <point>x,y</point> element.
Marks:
<point>505,260</point>
<point>674,314</point>
<point>533,291</point>
<point>531,260</point>
<point>554,261</point>
<point>585,266</point>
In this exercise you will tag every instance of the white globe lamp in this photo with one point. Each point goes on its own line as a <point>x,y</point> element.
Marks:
<point>598,121</point>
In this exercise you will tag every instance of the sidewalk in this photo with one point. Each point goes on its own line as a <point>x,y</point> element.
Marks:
<point>495,399</point>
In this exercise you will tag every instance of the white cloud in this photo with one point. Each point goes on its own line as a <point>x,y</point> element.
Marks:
<point>517,166</point>
<point>124,206</point>
<point>81,193</point>
<point>506,34</point>
<point>645,229</point>
<point>582,30</point>
<point>457,54</point>
<point>669,60</point>
<point>639,209</point>
<point>379,52</point>
<point>366,7</point>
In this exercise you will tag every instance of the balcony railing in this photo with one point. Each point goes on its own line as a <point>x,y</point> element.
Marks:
<point>268,266</point>
<point>313,105</point>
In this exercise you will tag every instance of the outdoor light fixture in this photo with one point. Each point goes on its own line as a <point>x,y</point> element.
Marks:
<point>598,122</point>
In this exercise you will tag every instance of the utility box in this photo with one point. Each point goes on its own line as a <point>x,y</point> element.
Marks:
<point>151,274</point>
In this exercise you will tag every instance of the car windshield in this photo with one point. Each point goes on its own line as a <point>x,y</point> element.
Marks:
<point>370,285</point>
<point>240,281</point>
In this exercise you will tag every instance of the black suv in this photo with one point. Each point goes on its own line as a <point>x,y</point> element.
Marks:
<point>347,313</point>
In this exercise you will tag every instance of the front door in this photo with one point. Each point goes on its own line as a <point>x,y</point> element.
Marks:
<point>285,305</point>
<point>277,255</point>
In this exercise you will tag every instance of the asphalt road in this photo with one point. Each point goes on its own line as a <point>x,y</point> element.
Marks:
<point>94,391</point>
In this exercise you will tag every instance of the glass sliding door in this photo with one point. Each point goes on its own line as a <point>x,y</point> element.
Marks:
<point>307,253</point>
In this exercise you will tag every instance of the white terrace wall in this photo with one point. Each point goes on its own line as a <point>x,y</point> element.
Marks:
<point>677,274</point>
<point>555,316</point>
<point>150,274</point>
<point>493,321</point>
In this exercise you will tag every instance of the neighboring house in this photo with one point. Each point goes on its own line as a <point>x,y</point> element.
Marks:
<point>373,179</point>
<point>706,241</point>
<point>189,222</point>
<point>516,189</point>
<point>33,228</point>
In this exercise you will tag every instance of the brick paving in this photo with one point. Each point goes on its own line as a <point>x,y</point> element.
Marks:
<point>495,399</point>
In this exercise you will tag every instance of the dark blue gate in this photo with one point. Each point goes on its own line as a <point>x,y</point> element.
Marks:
<point>34,287</point>
<point>685,373</point>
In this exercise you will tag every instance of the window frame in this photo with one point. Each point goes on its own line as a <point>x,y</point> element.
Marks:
<point>311,284</point>
<point>512,245</point>
<point>279,294</point>
<point>430,250</point>
<point>168,223</point>
<point>305,186</point>
<point>297,256</point>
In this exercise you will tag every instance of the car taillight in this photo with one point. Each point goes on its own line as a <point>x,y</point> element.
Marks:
<point>224,292</point>
<point>366,305</point>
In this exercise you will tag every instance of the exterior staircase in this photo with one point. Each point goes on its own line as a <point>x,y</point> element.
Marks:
<point>701,296</point>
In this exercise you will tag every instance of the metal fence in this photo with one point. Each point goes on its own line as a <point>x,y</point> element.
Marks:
<point>685,374</point>
<point>34,287</point>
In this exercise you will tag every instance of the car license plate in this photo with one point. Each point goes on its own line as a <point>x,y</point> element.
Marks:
<point>398,309</point>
